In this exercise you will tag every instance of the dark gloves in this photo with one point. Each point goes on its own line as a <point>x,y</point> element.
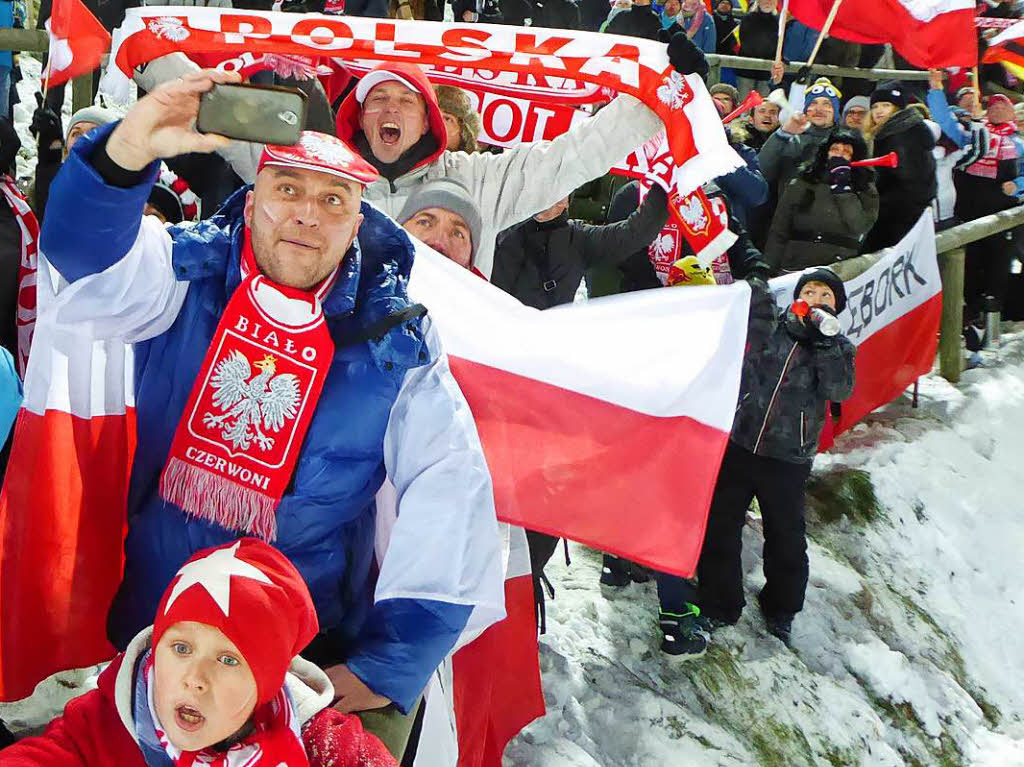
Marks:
<point>841,178</point>
<point>814,323</point>
<point>803,74</point>
<point>685,57</point>
<point>45,125</point>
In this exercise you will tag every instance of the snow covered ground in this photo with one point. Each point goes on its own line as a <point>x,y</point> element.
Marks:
<point>908,652</point>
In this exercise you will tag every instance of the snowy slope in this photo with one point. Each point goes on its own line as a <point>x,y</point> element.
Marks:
<point>909,650</point>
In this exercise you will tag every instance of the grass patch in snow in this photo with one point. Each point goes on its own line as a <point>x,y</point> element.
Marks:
<point>843,492</point>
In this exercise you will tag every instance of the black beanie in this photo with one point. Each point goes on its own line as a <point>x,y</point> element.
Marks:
<point>828,277</point>
<point>891,91</point>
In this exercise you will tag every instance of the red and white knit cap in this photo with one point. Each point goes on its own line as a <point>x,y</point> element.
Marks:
<point>173,197</point>
<point>323,153</point>
<point>255,596</point>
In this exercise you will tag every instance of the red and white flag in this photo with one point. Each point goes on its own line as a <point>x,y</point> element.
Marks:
<point>927,33</point>
<point>77,42</point>
<point>585,412</point>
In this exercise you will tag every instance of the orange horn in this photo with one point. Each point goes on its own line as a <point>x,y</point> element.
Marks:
<point>891,160</point>
<point>749,102</point>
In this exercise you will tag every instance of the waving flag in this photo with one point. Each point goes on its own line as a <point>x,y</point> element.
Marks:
<point>927,33</point>
<point>77,42</point>
<point>587,412</point>
<point>1007,48</point>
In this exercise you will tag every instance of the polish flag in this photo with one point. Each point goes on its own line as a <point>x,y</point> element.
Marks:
<point>927,33</point>
<point>604,423</point>
<point>77,42</point>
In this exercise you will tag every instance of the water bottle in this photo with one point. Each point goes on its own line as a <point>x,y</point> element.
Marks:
<point>827,324</point>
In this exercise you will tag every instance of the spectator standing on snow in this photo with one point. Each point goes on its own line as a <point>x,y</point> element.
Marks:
<point>906,191</point>
<point>791,370</point>
<point>827,210</point>
<point>758,37</point>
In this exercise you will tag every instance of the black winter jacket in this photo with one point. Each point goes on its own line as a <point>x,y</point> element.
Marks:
<point>542,264</point>
<point>906,191</point>
<point>815,226</point>
<point>790,373</point>
<point>638,21</point>
<point>759,34</point>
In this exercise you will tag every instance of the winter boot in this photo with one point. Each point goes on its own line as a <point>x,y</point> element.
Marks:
<point>639,573</point>
<point>615,572</point>
<point>779,625</point>
<point>6,738</point>
<point>683,637</point>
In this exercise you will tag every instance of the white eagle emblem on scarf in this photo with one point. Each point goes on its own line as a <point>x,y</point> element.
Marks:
<point>693,214</point>
<point>251,405</point>
<point>169,28</point>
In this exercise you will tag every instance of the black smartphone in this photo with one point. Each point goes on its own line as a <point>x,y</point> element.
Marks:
<point>264,114</point>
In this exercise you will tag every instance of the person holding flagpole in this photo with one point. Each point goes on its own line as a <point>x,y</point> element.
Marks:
<point>281,375</point>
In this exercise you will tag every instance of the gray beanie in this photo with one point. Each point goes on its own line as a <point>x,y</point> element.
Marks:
<point>857,101</point>
<point>93,114</point>
<point>448,195</point>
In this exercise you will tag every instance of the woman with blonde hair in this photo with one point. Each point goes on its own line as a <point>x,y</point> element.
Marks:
<point>907,190</point>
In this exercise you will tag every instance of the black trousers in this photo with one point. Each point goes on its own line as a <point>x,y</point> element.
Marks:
<point>779,488</point>
<point>987,271</point>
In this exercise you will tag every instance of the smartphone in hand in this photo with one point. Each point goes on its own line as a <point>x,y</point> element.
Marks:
<point>264,114</point>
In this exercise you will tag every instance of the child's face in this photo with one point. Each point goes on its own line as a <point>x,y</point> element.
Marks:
<point>818,294</point>
<point>203,690</point>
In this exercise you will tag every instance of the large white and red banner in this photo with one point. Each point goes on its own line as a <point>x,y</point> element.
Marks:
<point>622,65</point>
<point>927,33</point>
<point>892,316</point>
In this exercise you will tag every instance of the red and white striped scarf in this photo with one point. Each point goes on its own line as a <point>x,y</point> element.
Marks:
<point>1000,147</point>
<point>26,318</point>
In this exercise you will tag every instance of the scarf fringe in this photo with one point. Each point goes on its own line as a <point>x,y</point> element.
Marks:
<point>216,499</point>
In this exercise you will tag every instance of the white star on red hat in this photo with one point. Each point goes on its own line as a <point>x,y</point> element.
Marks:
<point>213,572</point>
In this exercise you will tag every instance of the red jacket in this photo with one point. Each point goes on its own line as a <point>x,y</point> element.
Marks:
<point>92,734</point>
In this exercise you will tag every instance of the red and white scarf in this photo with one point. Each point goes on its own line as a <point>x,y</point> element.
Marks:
<point>1000,147</point>
<point>275,740</point>
<point>240,435</point>
<point>26,318</point>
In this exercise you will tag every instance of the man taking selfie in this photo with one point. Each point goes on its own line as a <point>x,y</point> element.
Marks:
<point>281,374</point>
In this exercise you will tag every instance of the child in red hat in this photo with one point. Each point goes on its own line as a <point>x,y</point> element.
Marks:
<point>215,681</point>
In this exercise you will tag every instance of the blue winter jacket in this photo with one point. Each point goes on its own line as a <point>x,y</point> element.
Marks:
<point>745,187</point>
<point>326,519</point>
